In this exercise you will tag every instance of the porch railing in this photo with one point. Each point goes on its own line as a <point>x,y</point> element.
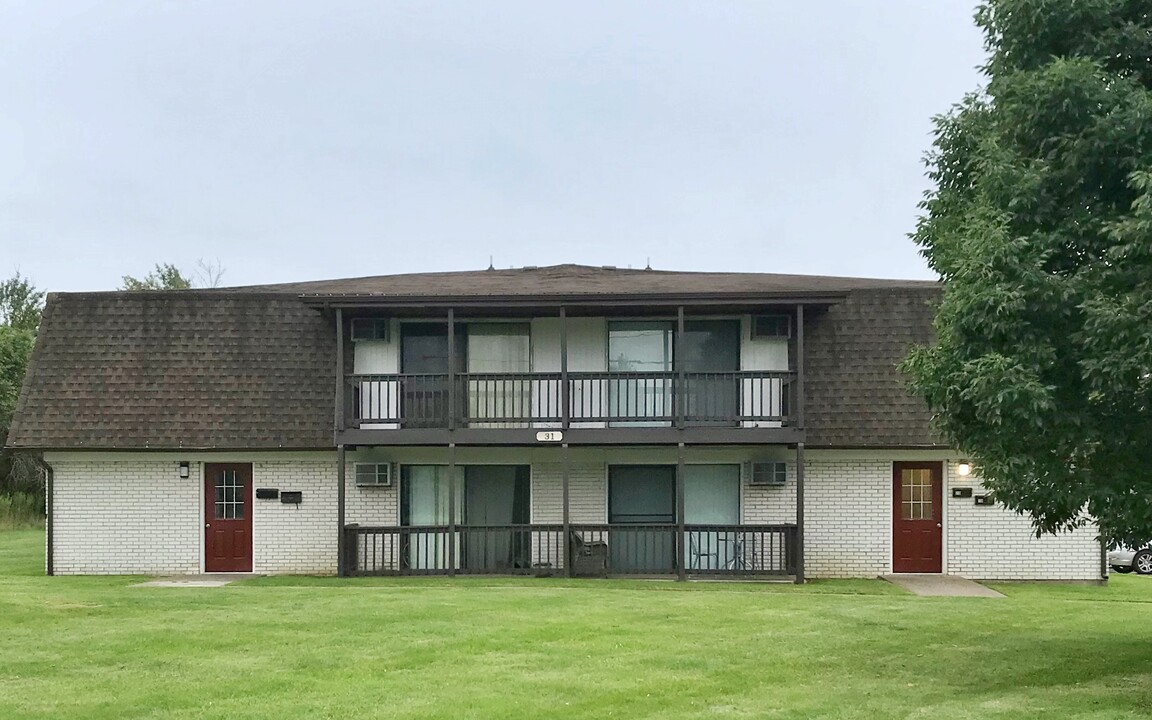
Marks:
<point>588,551</point>
<point>538,399</point>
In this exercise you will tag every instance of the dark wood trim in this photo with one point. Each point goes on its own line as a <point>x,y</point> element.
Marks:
<point>799,513</point>
<point>338,421</point>
<point>577,436</point>
<point>341,490</point>
<point>800,366</point>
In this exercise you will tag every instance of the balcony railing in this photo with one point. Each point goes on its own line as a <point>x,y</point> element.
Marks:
<point>491,400</point>
<point>588,551</point>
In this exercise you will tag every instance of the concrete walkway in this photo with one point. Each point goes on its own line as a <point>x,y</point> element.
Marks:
<point>205,580</point>
<point>940,585</point>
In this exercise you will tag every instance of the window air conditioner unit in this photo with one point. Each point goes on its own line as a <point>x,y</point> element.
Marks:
<point>370,329</point>
<point>769,473</point>
<point>376,474</point>
<point>771,326</point>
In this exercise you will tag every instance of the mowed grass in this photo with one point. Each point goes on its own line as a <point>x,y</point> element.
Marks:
<point>535,648</point>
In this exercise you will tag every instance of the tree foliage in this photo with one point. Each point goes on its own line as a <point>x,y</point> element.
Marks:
<point>164,276</point>
<point>1040,226</point>
<point>20,303</point>
<point>21,306</point>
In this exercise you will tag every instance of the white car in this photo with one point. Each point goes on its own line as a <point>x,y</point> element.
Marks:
<point>1125,560</point>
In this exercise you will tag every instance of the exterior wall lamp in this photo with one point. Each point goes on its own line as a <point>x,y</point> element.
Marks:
<point>184,470</point>
<point>964,469</point>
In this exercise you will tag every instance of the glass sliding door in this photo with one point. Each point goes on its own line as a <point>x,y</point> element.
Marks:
<point>709,354</point>
<point>424,362</point>
<point>424,503</point>
<point>712,498</point>
<point>643,496</point>
<point>496,497</point>
<point>642,353</point>
<point>494,350</point>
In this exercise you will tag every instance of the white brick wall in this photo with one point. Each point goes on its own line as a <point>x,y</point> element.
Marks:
<point>133,514</point>
<point>139,516</point>
<point>770,505</point>
<point>295,538</point>
<point>992,543</point>
<point>849,530</point>
<point>587,493</point>
<point>125,517</point>
<point>847,518</point>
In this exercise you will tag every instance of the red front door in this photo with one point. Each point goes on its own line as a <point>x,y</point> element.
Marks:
<point>917,526</point>
<point>227,517</point>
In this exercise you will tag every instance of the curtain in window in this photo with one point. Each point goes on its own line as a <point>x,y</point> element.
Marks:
<point>495,350</point>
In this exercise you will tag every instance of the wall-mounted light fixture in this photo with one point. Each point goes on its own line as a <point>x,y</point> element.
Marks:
<point>964,469</point>
<point>184,470</point>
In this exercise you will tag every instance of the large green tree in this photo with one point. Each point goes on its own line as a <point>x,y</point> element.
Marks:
<point>1040,226</point>
<point>21,305</point>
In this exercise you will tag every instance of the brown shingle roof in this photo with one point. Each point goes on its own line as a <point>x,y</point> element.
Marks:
<point>178,369</point>
<point>251,368</point>
<point>855,395</point>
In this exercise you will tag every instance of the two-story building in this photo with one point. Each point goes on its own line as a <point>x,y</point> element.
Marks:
<point>563,420</point>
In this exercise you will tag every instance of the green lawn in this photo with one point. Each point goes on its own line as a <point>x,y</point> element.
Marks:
<point>317,648</point>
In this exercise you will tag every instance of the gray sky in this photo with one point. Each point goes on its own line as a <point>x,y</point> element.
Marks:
<point>308,140</point>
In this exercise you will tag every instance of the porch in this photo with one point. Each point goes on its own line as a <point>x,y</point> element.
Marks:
<point>575,550</point>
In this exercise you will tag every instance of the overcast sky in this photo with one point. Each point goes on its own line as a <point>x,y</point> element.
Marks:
<point>308,140</point>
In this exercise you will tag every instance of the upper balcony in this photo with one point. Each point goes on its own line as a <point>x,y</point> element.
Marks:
<point>591,379</point>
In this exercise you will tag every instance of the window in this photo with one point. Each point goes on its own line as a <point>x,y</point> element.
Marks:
<point>374,474</point>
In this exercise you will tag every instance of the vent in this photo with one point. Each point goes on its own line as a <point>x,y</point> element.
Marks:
<point>766,473</point>
<point>376,474</point>
<point>369,329</point>
<point>771,326</point>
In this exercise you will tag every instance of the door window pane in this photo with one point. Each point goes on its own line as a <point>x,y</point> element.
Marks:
<point>916,494</point>
<point>229,496</point>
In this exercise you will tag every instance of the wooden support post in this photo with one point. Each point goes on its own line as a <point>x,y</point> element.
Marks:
<point>565,391</point>
<point>339,418</point>
<point>681,549</point>
<point>451,504</point>
<point>800,513</point>
<point>341,540</point>
<point>451,369</point>
<point>565,540</point>
<point>678,397</point>
<point>800,366</point>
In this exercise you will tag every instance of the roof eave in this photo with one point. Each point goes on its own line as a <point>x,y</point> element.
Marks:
<point>343,300</point>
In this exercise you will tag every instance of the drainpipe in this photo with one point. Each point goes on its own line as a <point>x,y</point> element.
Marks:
<point>49,488</point>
